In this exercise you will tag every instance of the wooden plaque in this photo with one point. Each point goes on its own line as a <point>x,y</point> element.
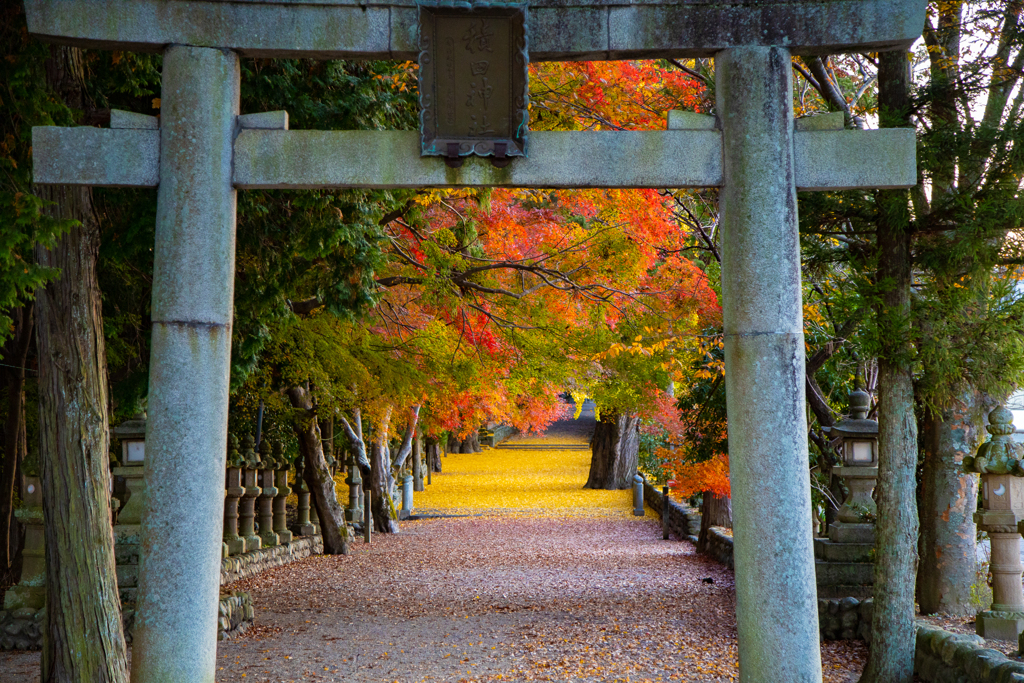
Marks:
<point>473,80</point>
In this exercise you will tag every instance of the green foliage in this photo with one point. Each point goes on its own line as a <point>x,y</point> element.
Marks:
<point>25,102</point>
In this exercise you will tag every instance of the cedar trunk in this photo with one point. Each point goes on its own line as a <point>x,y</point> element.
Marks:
<point>83,640</point>
<point>714,511</point>
<point>893,631</point>
<point>317,475</point>
<point>433,455</point>
<point>615,449</point>
<point>948,501</point>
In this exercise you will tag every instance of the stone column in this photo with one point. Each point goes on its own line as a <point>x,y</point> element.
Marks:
<point>776,603</point>
<point>268,492</point>
<point>193,290</point>
<point>407,505</point>
<point>302,526</point>
<point>247,505</point>
<point>354,512</point>
<point>233,491</point>
<point>280,510</point>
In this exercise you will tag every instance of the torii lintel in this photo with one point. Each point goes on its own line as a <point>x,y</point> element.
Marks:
<point>559,30</point>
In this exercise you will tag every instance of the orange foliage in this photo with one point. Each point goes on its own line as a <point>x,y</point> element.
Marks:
<point>698,477</point>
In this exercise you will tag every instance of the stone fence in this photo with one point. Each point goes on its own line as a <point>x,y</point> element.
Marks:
<point>251,564</point>
<point>944,657</point>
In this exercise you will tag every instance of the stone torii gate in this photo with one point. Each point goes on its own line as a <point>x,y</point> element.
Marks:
<point>203,151</point>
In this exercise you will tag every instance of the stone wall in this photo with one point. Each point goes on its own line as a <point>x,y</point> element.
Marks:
<point>250,564</point>
<point>683,522</point>
<point>235,616</point>
<point>944,657</point>
<point>22,629</point>
<point>844,619</point>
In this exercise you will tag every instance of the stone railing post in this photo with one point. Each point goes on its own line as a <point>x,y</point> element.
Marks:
<point>999,463</point>
<point>407,489</point>
<point>233,491</point>
<point>638,496</point>
<point>302,526</point>
<point>354,513</point>
<point>247,505</point>
<point>268,492</point>
<point>281,481</point>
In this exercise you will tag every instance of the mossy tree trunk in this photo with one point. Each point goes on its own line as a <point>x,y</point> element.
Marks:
<point>615,451</point>
<point>83,640</point>
<point>891,658</point>
<point>317,474</point>
<point>948,501</point>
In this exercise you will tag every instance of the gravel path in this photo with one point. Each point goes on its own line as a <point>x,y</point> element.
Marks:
<point>492,598</point>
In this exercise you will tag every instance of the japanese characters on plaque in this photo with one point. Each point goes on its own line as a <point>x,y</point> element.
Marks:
<point>473,81</point>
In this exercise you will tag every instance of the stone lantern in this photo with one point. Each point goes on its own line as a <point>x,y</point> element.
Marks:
<point>132,435</point>
<point>127,543</point>
<point>844,564</point>
<point>268,475</point>
<point>859,449</point>
<point>280,504</point>
<point>999,463</point>
<point>233,491</point>
<point>247,503</point>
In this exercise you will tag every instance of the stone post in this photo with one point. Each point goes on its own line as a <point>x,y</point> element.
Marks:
<point>30,591</point>
<point>367,516</point>
<point>776,602</point>
<point>193,291</point>
<point>268,491</point>
<point>314,519</point>
<point>354,512</point>
<point>407,488</point>
<point>280,501</point>
<point>302,527</point>
<point>665,508</point>
<point>127,531</point>
<point>999,463</point>
<point>247,506</point>
<point>233,491</point>
<point>638,496</point>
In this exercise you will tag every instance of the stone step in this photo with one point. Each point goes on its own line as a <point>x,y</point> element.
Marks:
<point>858,592</point>
<point>826,550</point>
<point>844,573</point>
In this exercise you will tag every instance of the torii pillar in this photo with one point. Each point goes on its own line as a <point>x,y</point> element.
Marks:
<point>203,151</point>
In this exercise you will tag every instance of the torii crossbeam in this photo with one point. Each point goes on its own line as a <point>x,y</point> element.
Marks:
<point>204,151</point>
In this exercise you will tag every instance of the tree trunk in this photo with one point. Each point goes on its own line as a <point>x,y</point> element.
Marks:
<point>317,475</point>
<point>83,639</point>
<point>14,358</point>
<point>385,514</point>
<point>433,455</point>
<point>714,511</point>
<point>948,501</point>
<point>417,464</point>
<point>891,658</point>
<point>615,449</point>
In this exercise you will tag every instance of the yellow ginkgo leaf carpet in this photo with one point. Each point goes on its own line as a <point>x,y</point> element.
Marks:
<point>529,481</point>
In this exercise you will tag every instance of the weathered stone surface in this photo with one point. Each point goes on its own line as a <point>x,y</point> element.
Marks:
<point>103,157</point>
<point>388,159</point>
<point>825,160</point>
<point>129,119</point>
<point>250,564</point>
<point>268,120</point>
<point>776,602</point>
<point>193,283</point>
<point>566,30</point>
